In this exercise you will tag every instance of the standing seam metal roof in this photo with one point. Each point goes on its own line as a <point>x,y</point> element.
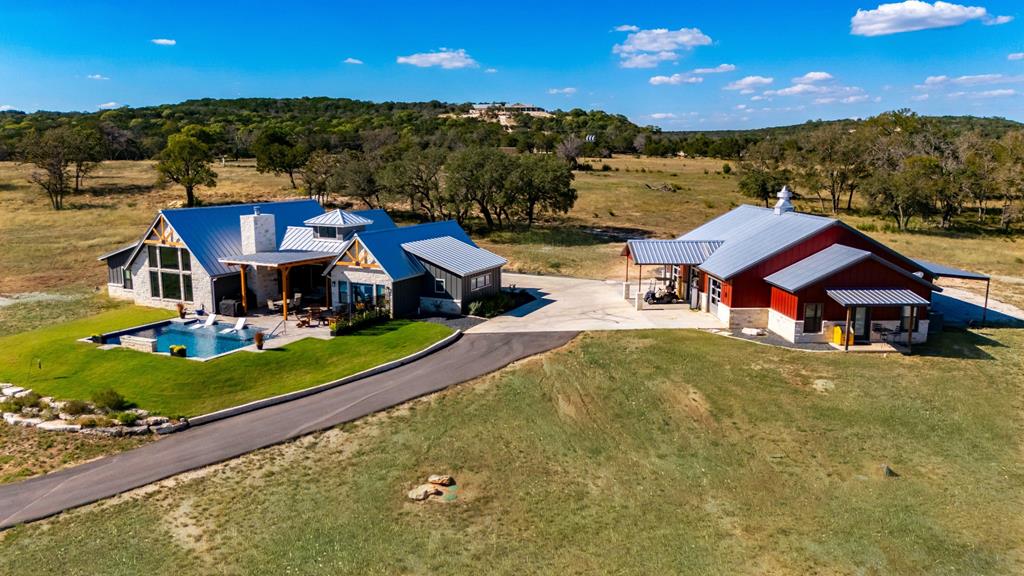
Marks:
<point>338,218</point>
<point>302,238</point>
<point>877,297</point>
<point>386,246</point>
<point>816,267</point>
<point>672,251</point>
<point>454,255</point>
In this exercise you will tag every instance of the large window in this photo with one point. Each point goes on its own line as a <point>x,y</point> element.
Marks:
<point>126,281</point>
<point>481,281</point>
<point>812,318</point>
<point>326,232</point>
<point>170,273</point>
<point>342,293</point>
<point>439,286</point>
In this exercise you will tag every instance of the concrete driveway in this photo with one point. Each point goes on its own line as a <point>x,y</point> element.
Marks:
<point>577,304</point>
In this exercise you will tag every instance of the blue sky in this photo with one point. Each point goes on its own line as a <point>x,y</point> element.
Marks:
<point>679,65</point>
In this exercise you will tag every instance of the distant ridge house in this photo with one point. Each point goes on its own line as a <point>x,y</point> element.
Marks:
<point>255,253</point>
<point>798,275</point>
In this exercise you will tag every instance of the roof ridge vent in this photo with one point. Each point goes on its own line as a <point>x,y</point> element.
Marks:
<point>784,205</point>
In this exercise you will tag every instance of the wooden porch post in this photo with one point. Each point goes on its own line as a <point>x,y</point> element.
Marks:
<point>910,329</point>
<point>245,299</point>
<point>984,311</point>
<point>846,331</point>
<point>284,290</point>
<point>627,269</point>
<point>640,282</point>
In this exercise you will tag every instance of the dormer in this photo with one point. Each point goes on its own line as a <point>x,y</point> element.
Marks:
<point>337,224</point>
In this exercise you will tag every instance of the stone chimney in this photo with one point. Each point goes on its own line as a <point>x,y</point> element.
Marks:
<point>784,205</point>
<point>258,232</point>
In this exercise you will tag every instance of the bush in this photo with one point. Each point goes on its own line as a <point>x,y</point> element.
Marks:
<point>606,168</point>
<point>75,407</point>
<point>126,418</point>
<point>110,400</point>
<point>726,168</point>
<point>30,400</point>
<point>497,304</point>
<point>179,351</point>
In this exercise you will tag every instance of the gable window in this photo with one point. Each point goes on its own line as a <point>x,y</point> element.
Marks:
<point>326,232</point>
<point>126,281</point>
<point>812,317</point>
<point>439,286</point>
<point>170,273</point>
<point>481,281</point>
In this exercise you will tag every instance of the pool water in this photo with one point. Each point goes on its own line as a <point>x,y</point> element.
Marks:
<point>199,343</point>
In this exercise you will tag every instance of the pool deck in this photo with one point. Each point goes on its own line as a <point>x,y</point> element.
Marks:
<point>286,334</point>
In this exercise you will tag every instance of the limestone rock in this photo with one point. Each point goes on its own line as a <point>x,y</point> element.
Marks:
<point>59,426</point>
<point>156,420</point>
<point>24,392</point>
<point>11,390</point>
<point>137,430</point>
<point>753,331</point>
<point>441,479</point>
<point>22,421</point>
<point>424,491</point>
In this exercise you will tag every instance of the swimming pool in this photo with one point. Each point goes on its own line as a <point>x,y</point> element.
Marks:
<point>204,342</point>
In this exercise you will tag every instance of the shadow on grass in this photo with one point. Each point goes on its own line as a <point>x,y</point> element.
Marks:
<point>118,189</point>
<point>567,236</point>
<point>381,329</point>
<point>961,344</point>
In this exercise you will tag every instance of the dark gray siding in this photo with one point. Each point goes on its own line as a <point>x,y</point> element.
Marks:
<point>471,295</point>
<point>115,267</point>
<point>405,297</point>
<point>452,283</point>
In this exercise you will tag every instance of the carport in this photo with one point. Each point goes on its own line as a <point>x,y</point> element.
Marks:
<point>943,271</point>
<point>679,257</point>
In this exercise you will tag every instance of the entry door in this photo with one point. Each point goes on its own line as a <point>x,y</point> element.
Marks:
<point>861,318</point>
<point>693,288</point>
<point>714,295</point>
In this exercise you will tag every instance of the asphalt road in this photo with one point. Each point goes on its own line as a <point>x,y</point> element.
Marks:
<point>472,356</point>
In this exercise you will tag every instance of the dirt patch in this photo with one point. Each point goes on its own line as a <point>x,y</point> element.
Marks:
<point>823,386</point>
<point>691,403</point>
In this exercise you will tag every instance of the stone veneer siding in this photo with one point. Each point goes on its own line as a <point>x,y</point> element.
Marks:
<point>202,286</point>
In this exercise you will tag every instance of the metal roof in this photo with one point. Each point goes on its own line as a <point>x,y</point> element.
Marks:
<point>338,218</point>
<point>213,232</point>
<point>671,251</point>
<point>816,267</point>
<point>378,218</point>
<point>877,297</point>
<point>302,238</point>
<point>454,255</point>
<point>277,258</point>
<point>386,246</point>
<point>941,270</point>
<point>751,234</point>
<point>118,251</point>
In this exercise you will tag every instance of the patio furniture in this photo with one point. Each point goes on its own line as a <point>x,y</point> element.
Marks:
<point>239,325</point>
<point>271,305</point>
<point>296,304</point>
<point>210,321</point>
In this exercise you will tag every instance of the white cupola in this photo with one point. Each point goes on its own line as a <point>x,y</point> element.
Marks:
<point>784,205</point>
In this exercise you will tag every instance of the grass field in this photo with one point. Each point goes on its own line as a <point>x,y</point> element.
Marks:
<point>625,453</point>
<point>53,363</point>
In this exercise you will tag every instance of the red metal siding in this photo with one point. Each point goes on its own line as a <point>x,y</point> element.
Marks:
<point>867,274</point>
<point>784,302</point>
<point>748,288</point>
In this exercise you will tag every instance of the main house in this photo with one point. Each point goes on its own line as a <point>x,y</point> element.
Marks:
<point>798,275</point>
<point>249,256</point>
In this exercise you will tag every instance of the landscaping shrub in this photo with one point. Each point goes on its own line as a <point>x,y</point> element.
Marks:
<point>497,304</point>
<point>726,168</point>
<point>606,168</point>
<point>75,407</point>
<point>126,418</point>
<point>179,351</point>
<point>30,400</point>
<point>110,400</point>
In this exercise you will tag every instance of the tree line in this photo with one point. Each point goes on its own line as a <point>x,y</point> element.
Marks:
<point>903,165</point>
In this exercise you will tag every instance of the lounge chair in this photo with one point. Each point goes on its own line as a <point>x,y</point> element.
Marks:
<point>296,304</point>
<point>271,305</point>
<point>210,321</point>
<point>239,325</point>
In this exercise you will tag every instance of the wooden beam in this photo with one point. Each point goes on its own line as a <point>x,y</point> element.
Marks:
<point>846,331</point>
<point>245,299</point>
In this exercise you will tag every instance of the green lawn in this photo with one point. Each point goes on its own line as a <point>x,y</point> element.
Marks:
<point>649,452</point>
<point>53,363</point>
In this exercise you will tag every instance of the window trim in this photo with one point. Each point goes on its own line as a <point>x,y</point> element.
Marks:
<point>820,317</point>
<point>444,286</point>
<point>486,276</point>
<point>156,271</point>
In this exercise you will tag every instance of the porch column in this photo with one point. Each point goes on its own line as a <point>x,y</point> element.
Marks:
<point>846,331</point>
<point>984,311</point>
<point>284,290</point>
<point>245,300</point>
<point>910,329</point>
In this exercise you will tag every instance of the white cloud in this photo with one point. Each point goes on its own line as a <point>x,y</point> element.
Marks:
<point>968,80</point>
<point>445,58</point>
<point>798,89</point>
<point>913,15</point>
<point>567,91</point>
<point>164,41</point>
<point>97,77</point>
<point>716,70</point>
<point>758,98</point>
<point>491,70</point>
<point>1000,93</point>
<point>675,79</point>
<point>627,28</point>
<point>856,98</point>
<point>812,77</point>
<point>662,115</point>
<point>351,60</point>
<point>748,84</point>
<point>824,100</point>
<point>6,107</point>
<point>648,48</point>
<point>107,105</point>
<point>647,60</point>
<point>1015,56</point>
<point>920,98</point>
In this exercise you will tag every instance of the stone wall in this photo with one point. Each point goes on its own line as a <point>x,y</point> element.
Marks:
<point>782,325</point>
<point>202,286</point>
<point>747,317</point>
<point>258,233</point>
<point>138,343</point>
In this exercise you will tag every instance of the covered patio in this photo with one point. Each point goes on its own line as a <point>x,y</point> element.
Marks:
<point>283,262</point>
<point>673,262</point>
<point>859,301</point>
